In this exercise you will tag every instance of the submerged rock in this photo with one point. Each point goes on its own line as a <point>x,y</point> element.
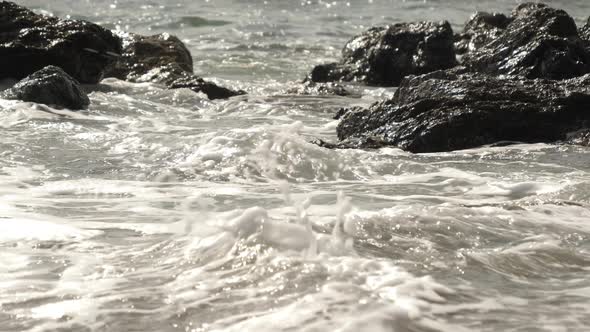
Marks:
<point>481,29</point>
<point>444,111</point>
<point>162,59</point>
<point>382,56</point>
<point>50,86</point>
<point>319,89</point>
<point>539,42</point>
<point>30,42</point>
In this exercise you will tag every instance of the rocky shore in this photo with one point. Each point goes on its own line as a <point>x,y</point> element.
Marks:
<point>86,53</point>
<point>522,77</point>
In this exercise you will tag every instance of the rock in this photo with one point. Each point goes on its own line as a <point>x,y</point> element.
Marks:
<point>481,29</point>
<point>30,42</point>
<point>581,137</point>
<point>162,59</point>
<point>197,84</point>
<point>319,89</point>
<point>144,53</point>
<point>50,86</point>
<point>585,31</point>
<point>527,8</point>
<point>540,42</point>
<point>382,56</point>
<point>444,111</point>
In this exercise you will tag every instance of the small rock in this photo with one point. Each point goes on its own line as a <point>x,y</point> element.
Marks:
<point>162,59</point>
<point>51,86</point>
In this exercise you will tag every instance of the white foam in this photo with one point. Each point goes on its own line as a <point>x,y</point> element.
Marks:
<point>15,229</point>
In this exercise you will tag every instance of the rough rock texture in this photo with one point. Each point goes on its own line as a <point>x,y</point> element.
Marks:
<point>382,56</point>
<point>30,42</point>
<point>144,53</point>
<point>540,42</point>
<point>527,8</point>
<point>443,111</point>
<point>51,86</point>
<point>481,29</point>
<point>162,59</point>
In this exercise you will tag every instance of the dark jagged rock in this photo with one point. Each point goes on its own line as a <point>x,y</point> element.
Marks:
<point>30,42</point>
<point>50,86</point>
<point>162,59</point>
<point>443,111</point>
<point>382,56</point>
<point>540,42</point>
<point>144,53</point>
<point>481,29</point>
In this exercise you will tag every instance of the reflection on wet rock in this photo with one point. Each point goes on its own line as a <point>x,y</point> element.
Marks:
<point>445,111</point>
<point>382,56</point>
<point>29,42</point>
<point>540,42</point>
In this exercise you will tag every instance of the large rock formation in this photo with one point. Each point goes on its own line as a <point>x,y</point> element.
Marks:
<point>50,86</point>
<point>443,111</point>
<point>30,42</point>
<point>539,42</point>
<point>162,59</point>
<point>481,29</point>
<point>383,56</point>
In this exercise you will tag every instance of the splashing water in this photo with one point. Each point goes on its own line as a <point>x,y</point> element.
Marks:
<point>159,210</point>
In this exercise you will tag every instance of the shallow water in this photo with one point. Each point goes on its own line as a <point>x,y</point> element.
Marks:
<point>159,210</point>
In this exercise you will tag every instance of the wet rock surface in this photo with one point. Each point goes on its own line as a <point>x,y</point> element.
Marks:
<point>540,42</point>
<point>51,86</point>
<point>581,137</point>
<point>309,88</point>
<point>523,78</point>
<point>445,111</point>
<point>383,56</point>
<point>30,42</point>
<point>481,29</point>
<point>144,53</point>
<point>162,59</point>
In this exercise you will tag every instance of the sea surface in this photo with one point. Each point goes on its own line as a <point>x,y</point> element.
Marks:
<point>159,210</point>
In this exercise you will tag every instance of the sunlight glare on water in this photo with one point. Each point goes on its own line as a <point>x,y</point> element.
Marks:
<point>159,210</point>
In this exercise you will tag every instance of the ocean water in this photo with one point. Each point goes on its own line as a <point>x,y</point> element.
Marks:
<point>159,210</point>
